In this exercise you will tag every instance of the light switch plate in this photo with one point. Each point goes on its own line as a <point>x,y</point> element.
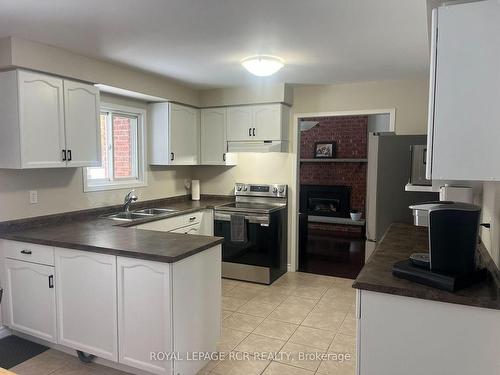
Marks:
<point>33,196</point>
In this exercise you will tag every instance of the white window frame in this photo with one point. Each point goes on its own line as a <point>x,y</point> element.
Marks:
<point>90,185</point>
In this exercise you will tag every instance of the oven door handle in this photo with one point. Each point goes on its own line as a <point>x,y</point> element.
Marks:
<point>263,220</point>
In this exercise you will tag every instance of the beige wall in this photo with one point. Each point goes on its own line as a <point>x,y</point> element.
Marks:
<point>50,59</point>
<point>263,93</point>
<point>61,189</point>
<point>5,52</point>
<point>409,97</point>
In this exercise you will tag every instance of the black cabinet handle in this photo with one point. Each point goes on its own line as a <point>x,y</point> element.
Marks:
<point>64,155</point>
<point>249,132</point>
<point>172,156</point>
<point>192,218</point>
<point>253,132</point>
<point>69,155</point>
<point>51,281</point>
<point>224,157</point>
<point>26,252</point>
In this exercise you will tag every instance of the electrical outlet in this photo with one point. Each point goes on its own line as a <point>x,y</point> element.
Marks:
<point>33,196</point>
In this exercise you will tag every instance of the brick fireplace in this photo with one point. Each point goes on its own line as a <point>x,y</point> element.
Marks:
<point>351,137</point>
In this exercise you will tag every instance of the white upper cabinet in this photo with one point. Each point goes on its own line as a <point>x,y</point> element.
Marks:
<point>239,123</point>
<point>258,128</point>
<point>213,143</point>
<point>45,120</point>
<point>81,114</point>
<point>267,122</point>
<point>39,128</point>
<point>184,134</point>
<point>464,109</point>
<point>174,134</point>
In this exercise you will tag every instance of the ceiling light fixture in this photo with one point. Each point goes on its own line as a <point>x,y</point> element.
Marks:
<point>263,65</point>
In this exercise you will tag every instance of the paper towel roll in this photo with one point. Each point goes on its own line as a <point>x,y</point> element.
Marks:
<point>195,190</point>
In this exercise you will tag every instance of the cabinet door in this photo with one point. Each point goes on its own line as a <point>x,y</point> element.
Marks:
<point>81,114</point>
<point>31,299</point>
<point>86,308</point>
<point>144,313</point>
<point>207,223</point>
<point>239,123</point>
<point>466,109</point>
<point>213,136</point>
<point>267,122</point>
<point>41,120</point>
<point>184,135</point>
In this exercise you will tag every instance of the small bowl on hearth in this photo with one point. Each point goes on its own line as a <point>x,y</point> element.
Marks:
<point>355,215</point>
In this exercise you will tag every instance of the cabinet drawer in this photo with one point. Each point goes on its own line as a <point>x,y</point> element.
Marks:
<point>190,229</point>
<point>29,252</point>
<point>172,223</point>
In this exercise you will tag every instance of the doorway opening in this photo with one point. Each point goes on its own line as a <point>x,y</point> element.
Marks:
<point>332,181</point>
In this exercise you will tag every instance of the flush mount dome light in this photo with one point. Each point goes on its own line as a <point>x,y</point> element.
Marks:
<point>263,65</point>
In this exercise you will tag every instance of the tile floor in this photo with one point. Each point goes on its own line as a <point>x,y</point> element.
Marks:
<point>299,313</point>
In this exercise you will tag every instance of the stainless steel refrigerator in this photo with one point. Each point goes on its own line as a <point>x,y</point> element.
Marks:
<point>389,171</point>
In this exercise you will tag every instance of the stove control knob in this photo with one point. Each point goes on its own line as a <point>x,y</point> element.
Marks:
<point>281,190</point>
<point>238,187</point>
<point>275,190</point>
<point>245,188</point>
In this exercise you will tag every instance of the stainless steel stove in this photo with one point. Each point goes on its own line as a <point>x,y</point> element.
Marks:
<point>259,218</point>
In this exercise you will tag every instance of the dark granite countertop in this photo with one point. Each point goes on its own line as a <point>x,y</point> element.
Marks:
<point>84,230</point>
<point>398,243</point>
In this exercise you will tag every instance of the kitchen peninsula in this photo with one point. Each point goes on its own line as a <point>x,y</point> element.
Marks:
<point>110,289</point>
<point>425,330</point>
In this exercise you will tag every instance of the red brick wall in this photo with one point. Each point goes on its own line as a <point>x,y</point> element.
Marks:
<point>350,135</point>
<point>121,147</point>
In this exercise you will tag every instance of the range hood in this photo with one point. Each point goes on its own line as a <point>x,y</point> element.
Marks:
<point>257,146</point>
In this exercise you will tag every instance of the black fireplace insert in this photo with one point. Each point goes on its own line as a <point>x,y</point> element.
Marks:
<point>325,200</point>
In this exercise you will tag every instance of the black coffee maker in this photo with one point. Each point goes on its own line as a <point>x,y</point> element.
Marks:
<point>450,263</point>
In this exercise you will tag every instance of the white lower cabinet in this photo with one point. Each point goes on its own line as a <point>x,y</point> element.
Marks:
<point>86,302</point>
<point>190,229</point>
<point>412,336</point>
<point>207,223</point>
<point>31,298</point>
<point>196,313</point>
<point>118,308</point>
<point>144,313</point>
<point>176,223</point>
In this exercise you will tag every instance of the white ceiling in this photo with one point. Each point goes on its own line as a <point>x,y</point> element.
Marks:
<point>201,42</point>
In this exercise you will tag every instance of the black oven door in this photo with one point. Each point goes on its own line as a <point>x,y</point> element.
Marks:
<point>261,246</point>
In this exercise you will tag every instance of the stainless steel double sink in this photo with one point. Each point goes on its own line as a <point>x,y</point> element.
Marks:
<point>138,214</point>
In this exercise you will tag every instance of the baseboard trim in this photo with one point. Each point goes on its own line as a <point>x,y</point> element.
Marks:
<point>4,332</point>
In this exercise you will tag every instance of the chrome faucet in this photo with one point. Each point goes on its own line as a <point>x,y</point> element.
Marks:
<point>129,198</point>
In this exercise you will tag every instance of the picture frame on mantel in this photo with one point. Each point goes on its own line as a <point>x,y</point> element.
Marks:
<point>324,150</point>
